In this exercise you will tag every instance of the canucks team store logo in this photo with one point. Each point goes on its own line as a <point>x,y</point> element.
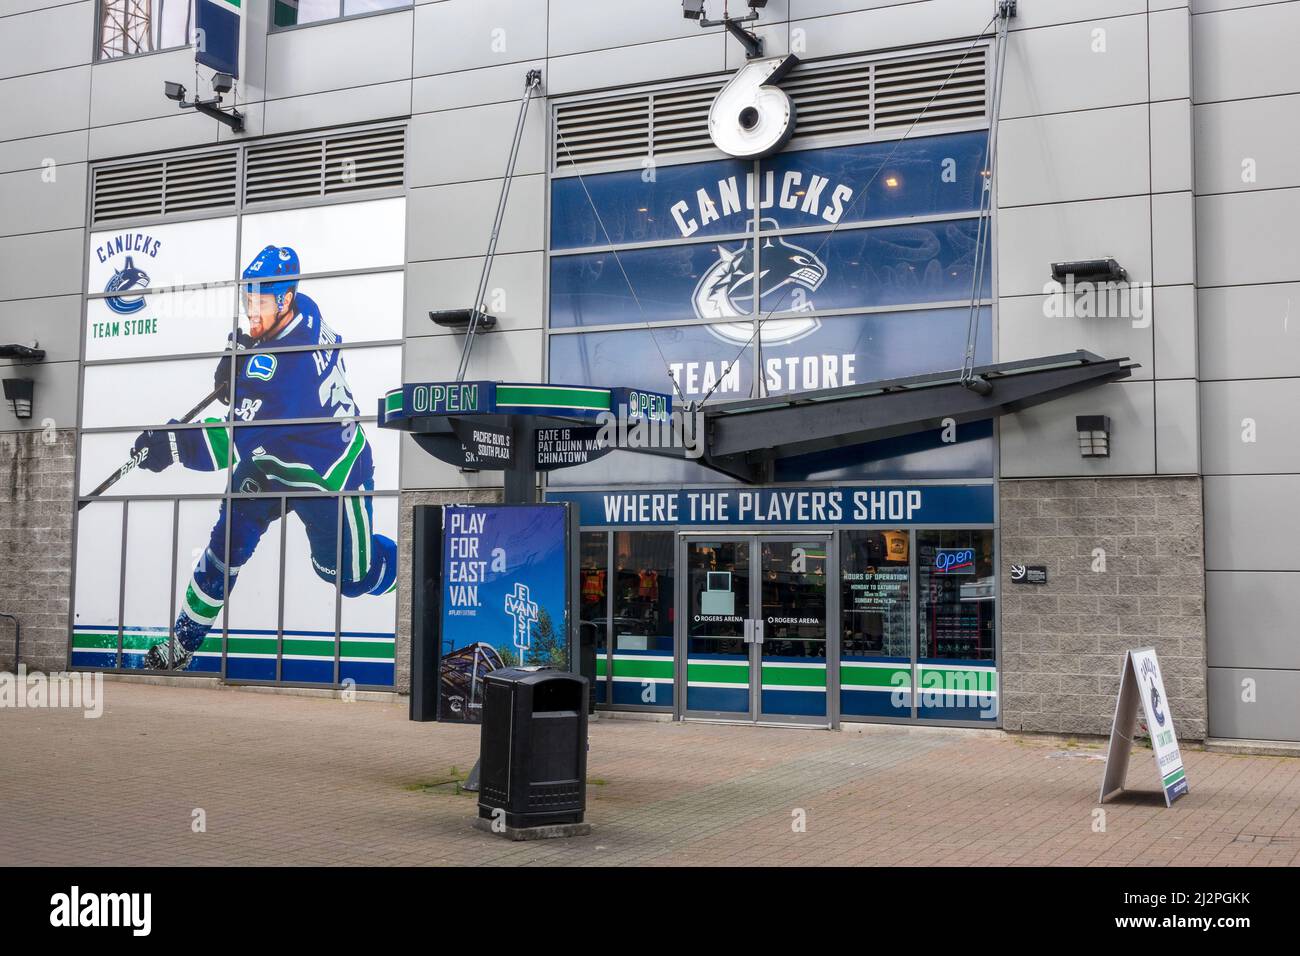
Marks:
<point>1149,671</point>
<point>726,289</point>
<point>128,281</point>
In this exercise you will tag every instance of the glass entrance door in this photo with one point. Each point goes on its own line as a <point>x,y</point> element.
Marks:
<point>792,640</point>
<point>719,627</point>
<point>756,627</point>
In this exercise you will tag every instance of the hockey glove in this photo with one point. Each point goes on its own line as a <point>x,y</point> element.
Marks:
<point>221,377</point>
<point>158,447</point>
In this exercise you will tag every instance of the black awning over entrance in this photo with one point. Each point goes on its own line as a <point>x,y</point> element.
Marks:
<point>745,438</point>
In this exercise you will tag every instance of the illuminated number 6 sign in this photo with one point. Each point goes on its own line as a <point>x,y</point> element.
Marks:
<point>751,116</point>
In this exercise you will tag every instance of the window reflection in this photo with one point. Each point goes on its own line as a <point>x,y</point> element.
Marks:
<point>956,597</point>
<point>875,595</point>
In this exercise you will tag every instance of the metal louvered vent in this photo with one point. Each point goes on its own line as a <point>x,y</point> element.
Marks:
<point>327,166</point>
<point>182,184</point>
<point>862,96</point>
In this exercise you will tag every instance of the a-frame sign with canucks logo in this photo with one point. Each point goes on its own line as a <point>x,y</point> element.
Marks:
<point>1141,685</point>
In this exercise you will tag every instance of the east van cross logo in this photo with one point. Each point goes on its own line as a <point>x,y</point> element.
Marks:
<point>128,280</point>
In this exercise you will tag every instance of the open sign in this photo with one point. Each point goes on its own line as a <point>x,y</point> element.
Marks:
<point>954,561</point>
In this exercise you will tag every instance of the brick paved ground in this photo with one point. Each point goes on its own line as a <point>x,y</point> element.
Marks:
<point>318,781</point>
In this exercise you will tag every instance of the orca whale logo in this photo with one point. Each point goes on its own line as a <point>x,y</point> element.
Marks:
<point>726,290</point>
<point>126,279</point>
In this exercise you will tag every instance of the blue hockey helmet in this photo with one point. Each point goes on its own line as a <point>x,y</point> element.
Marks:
<point>271,262</point>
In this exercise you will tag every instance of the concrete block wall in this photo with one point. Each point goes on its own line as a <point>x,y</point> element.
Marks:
<point>36,541</point>
<point>1063,642</point>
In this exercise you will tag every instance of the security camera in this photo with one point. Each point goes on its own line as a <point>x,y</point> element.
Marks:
<point>694,9</point>
<point>173,91</point>
<point>222,82</point>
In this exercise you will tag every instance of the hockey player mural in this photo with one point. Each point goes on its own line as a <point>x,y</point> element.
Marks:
<point>323,457</point>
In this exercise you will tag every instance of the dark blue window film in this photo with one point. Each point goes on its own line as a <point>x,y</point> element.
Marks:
<point>854,268</point>
<point>637,208</point>
<point>928,176</point>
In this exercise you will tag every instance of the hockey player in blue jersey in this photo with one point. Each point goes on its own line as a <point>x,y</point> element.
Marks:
<point>327,458</point>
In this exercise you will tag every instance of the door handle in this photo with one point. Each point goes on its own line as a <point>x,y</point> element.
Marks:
<point>758,630</point>
<point>749,630</point>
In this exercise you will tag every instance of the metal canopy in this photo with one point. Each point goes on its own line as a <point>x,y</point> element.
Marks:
<point>745,438</point>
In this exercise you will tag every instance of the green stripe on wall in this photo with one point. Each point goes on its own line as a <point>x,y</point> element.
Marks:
<point>852,676</point>
<point>712,672</point>
<point>785,676</point>
<point>657,667</point>
<point>375,650</point>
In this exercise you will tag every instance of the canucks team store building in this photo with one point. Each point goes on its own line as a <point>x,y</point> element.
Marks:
<point>981,308</point>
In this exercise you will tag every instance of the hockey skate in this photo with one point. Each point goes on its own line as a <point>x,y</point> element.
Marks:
<point>167,656</point>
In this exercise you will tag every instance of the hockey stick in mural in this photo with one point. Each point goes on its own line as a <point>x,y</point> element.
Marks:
<point>135,460</point>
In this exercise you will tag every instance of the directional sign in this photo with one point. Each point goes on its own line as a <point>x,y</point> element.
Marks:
<point>487,443</point>
<point>564,447</point>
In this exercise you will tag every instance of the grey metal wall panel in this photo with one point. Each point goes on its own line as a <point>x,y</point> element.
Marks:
<point>1251,619</point>
<point>131,88</point>
<point>1174,324</point>
<point>48,39</point>
<point>515,280</point>
<point>338,56</point>
<point>1043,441</point>
<point>574,28</point>
<point>1249,522</point>
<point>501,356</point>
<point>1173,243</point>
<point>1031,238</point>
<point>54,397</point>
<point>1248,144</point>
<point>38,200</point>
<point>1057,69</point>
<point>1274,714</point>
<point>1170,54</point>
<point>422,470</point>
<point>1072,156</point>
<point>1171,145</point>
<point>1177,422</point>
<point>174,131</point>
<point>338,107</point>
<point>492,84</point>
<point>48,263</point>
<point>1246,237</point>
<point>1247,52</point>
<point>667,60</point>
<point>776,42</point>
<point>52,323</point>
<point>45,103</point>
<point>1025,331</point>
<point>1249,331</point>
<point>1030,16</point>
<point>468,34</point>
<point>1273,405</point>
<point>882,28</point>
<point>62,148</point>
<point>440,151</point>
<point>471,207</point>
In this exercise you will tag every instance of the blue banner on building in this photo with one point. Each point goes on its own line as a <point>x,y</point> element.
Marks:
<point>216,33</point>
<point>883,505</point>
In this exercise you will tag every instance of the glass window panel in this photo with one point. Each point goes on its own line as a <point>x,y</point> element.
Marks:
<point>642,627</point>
<point>166,323</point>
<point>128,28</point>
<point>99,580</point>
<point>318,457</point>
<point>146,600</point>
<point>717,602</point>
<point>680,202</point>
<point>875,624</point>
<point>593,610</point>
<point>353,7</point>
<point>709,281</point>
<point>310,569</point>
<point>202,471</point>
<point>907,457</point>
<point>151,393</point>
<point>369,618</point>
<point>334,383</point>
<point>200,583</point>
<point>924,176</point>
<point>124,262</point>
<point>351,309</point>
<point>375,231</point>
<point>253,603</point>
<point>956,625</point>
<point>288,13</point>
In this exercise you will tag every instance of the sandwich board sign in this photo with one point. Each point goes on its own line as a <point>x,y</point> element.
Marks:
<point>1140,680</point>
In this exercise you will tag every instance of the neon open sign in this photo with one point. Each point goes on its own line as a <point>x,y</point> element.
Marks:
<point>954,561</point>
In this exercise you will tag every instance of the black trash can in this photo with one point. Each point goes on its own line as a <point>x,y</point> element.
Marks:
<point>533,756</point>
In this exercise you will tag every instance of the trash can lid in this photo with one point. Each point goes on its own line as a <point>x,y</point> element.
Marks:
<point>537,674</point>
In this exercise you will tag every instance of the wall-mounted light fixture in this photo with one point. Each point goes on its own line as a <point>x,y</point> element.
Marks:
<point>1094,435</point>
<point>753,44</point>
<point>1089,270</point>
<point>459,320</point>
<point>18,393</point>
<point>222,83</point>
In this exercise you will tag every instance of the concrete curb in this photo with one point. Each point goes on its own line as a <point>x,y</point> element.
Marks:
<point>216,683</point>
